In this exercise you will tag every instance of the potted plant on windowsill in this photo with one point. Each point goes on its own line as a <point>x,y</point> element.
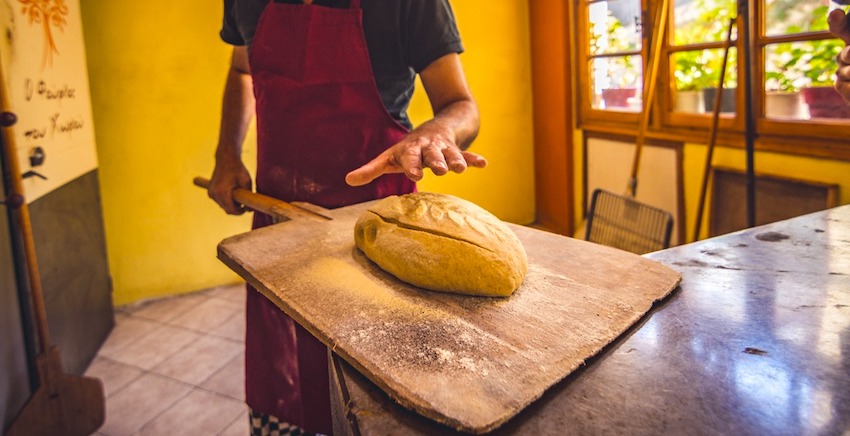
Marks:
<point>804,72</point>
<point>620,86</point>
<point>819,68</point>
<point>618,97</point>
<point>622,75</point>
<point>807,67</point>
<point>690,81</point>
<point>783,104</point>
<point>783,80</point>
<point>699,70</point>
<point>713,64</point>
<point>728,103</point>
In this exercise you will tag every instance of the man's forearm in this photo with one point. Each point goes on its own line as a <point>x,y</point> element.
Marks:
<point>462,118</point>
<point>236,114</point>
<point>450,97</point>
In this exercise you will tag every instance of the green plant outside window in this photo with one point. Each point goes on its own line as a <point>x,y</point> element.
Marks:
<point>697,22</point>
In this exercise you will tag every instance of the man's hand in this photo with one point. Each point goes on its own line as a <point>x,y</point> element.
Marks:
<point>227,177</point>
<point>839,25</point>
<point>431,146</point>
<point>439,143</point>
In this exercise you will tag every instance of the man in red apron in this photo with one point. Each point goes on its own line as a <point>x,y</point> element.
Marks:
<point>326,135</point>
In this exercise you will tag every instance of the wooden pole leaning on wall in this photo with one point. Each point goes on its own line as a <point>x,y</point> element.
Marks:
<point>712,140</point>
<point>750,133</point>
<point>659,31</point>
<point>62,404</point>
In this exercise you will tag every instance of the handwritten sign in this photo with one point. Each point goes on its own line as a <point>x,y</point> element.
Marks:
<point>44,58</point>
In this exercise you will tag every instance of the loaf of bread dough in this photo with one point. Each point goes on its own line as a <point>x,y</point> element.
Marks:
<point>443,243</point>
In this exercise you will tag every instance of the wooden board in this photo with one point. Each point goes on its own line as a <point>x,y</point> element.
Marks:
<point>469,362</point>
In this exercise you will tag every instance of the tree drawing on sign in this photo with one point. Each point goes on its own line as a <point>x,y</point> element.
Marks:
<point>48,13</point>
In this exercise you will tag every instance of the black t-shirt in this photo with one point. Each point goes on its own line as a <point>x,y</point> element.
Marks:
<point>403,37</point>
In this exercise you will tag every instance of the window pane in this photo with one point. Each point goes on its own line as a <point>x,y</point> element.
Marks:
<point>702,20</point>
<point>617,82</point>
<point>799,78</point>
<point>697,76</point>
<point>783,17</point>
<point>614,26</point>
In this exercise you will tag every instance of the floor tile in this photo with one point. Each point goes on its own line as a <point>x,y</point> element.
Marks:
<point>239,426</point>
<point>200,359</point>
<point>229,380</point>
<point>167,309</point>
<point>199,413</point>
<point>208,315</point>
<point>128,329</point>
<point>233,328</point>
<point>114,375</point>
<point>156,347</point>
<point>139,402</point>
<point>233,292</point>
<point>176,366</point>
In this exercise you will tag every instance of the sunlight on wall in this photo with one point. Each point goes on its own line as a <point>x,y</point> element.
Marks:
<point>795,167</point>
<point>497,63</point>
<point>156,91</point>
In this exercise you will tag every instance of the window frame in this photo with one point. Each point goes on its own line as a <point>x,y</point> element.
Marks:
<point>682,120</point>
<point>587,113</point>
<point>824,138</point>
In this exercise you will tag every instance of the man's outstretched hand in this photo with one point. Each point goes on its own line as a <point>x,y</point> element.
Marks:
<point>428,146</point>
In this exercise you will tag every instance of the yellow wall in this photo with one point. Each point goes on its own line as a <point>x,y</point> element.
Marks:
<point>775,164</point>
<point>157,71</point>
<point>497,62</point>
<point>693,163</point>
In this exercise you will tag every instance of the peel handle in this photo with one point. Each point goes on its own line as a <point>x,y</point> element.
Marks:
<point>278,209</point>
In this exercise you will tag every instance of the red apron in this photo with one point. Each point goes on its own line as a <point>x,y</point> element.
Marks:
<point>319,116</point>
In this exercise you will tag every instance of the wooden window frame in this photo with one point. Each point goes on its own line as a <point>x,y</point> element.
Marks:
<point>820,138</point>
<point>587,114</point>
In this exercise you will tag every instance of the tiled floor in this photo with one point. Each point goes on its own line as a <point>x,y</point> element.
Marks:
<point>175,366</point>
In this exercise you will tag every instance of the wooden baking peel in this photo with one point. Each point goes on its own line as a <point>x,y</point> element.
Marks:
<point>471,363</point>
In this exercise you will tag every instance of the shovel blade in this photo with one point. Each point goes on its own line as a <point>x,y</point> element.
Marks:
<point>64,404</point>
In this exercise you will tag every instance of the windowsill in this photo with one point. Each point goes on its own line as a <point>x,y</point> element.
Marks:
<point>787,144</point>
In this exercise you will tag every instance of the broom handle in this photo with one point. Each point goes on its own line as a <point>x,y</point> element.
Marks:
<point>649,83</point>
<point>22,214</point>
<point>718,100</point>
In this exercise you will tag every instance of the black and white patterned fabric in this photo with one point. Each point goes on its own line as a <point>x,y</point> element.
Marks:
<point>268,425</point>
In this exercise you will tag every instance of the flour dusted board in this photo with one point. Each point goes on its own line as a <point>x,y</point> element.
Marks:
<point>44,60</point>
<point>468,362</point>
